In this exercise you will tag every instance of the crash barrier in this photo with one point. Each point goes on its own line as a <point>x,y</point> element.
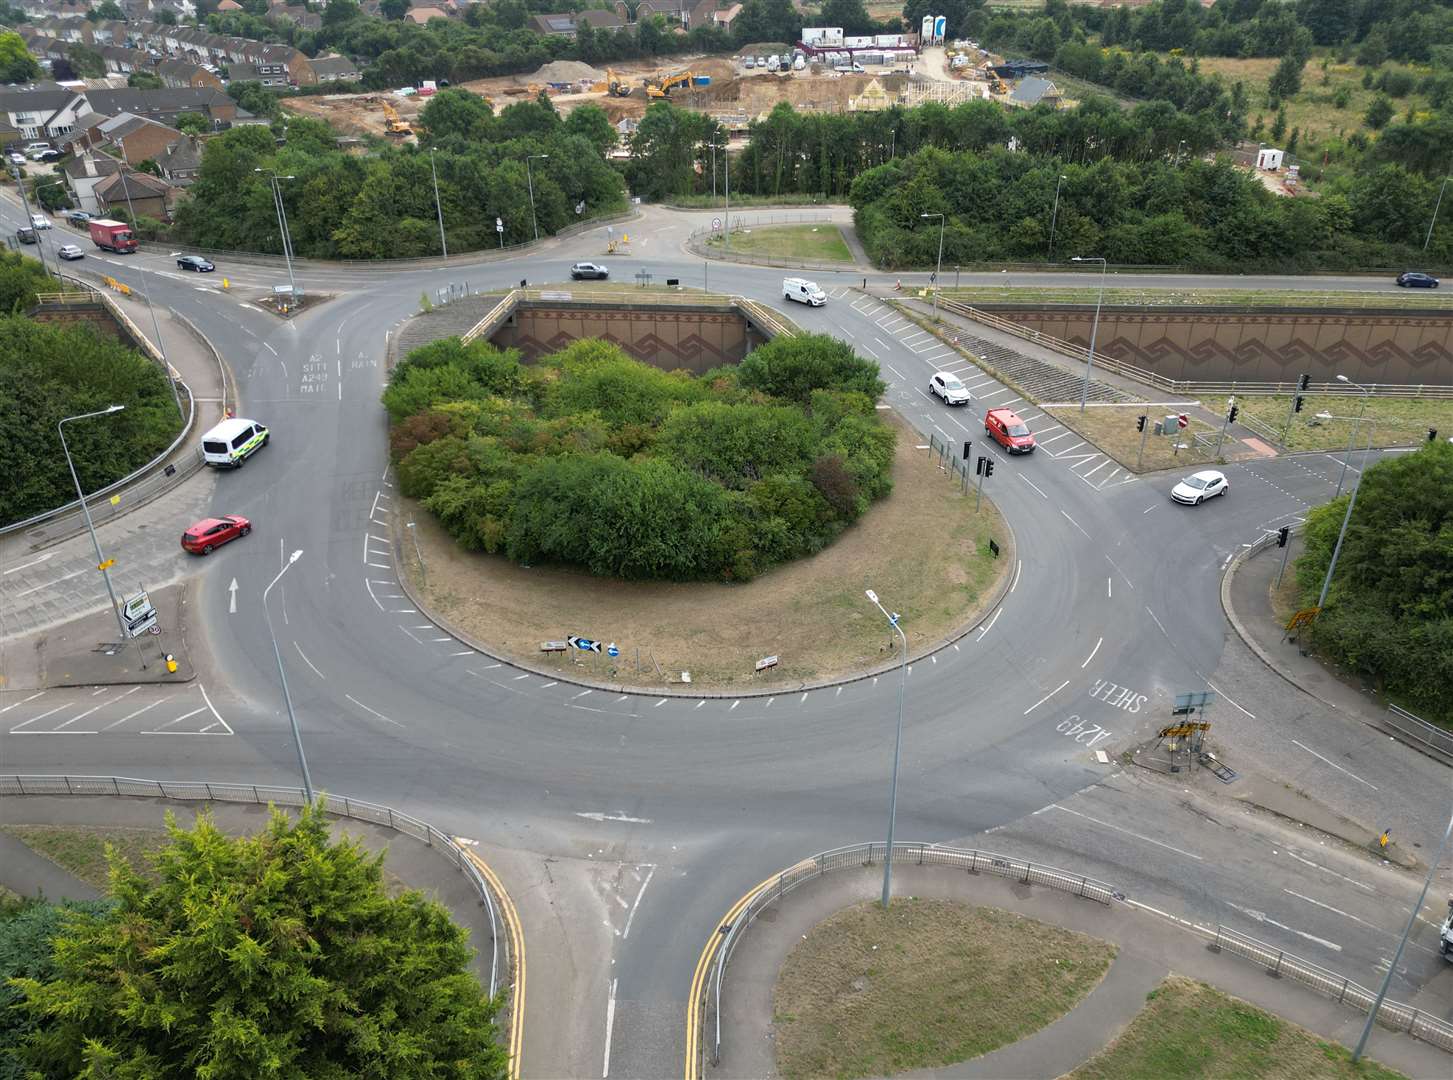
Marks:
<point>212,791</point>
<point>1279,963</point>
<point>860,855</point>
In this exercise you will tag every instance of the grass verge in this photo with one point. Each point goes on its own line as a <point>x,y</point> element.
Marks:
<point>815,242</point>
<point>1398,421</point>
<point>1188,1029</point>
<point>923,548</point>
<point>870,992</point>
<point>82,851</point>
<point>1111,429</point>
<point>1425,299</point>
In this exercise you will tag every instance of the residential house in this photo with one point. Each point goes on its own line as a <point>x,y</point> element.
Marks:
<point>140,192</point>
<point>1034,91</point>
<point>181,161</point>
<point>123,61</point>
<point>688,14</point>
<point>726,18</point>
<point>422,15</point>
<point>167,104</point>
<point>243,72</point>
<point>328,69</point>
<point>83,173</point>
<point>39,113</point>
<point>183,73</point>
<point>565,25</point>
<point>135,138</point>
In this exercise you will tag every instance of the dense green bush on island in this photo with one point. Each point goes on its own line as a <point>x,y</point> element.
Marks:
<point>1389,612</point>
<point>49,372</point>
<point>589,458</point>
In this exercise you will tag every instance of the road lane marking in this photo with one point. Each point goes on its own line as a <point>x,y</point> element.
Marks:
<point>308,662</point>
<point>1032,484</point>
<point>1334,765</point>
<point>1076,524</point>
<point>1092,654</point>
<point>1042,700</point>
<point>19,703</point>
<point>375,712</point>
<point>1018,569</point>
<point>1127,832</point>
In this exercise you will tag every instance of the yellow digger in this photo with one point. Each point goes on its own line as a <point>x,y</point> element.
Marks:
<point>660,88</point>
<point>392,125</point>
<point>617,86</point>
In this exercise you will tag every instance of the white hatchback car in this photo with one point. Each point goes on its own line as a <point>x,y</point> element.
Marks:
<point>70,252</point>
<point>949,387</point>
<point>40,221</point>
<point>1198,487</point>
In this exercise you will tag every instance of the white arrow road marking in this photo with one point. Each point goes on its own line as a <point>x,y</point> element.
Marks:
<point>232,598</point>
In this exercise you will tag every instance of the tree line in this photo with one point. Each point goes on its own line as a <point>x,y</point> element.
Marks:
<point>1389,610</point>
<point>280,954</point>
<point>588,458</point>
<point>999,205</point>
<point>341,205</point>
<point>50,371</point>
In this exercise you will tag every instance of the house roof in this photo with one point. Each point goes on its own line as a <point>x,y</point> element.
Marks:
<point>334,65</point>
<point>600,20</point>
<point>185,153</point>
<point>421,15</point>
<point>104,166</point>
<point>119,185</point>
<point>21,99</point>
<point>168,99</point>
<point>128,124</point>
<point>552,24</point>
<point>1031,90</point>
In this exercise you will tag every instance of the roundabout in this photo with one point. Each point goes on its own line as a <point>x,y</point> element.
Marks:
<point>624,825</point>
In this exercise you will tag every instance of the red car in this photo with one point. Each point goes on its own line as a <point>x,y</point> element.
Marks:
<point>211,533</point>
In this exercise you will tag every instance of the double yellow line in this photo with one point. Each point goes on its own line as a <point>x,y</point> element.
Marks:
<point>517,954</point>
<point>694,1010</point>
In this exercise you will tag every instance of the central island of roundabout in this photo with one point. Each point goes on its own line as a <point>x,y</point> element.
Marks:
<point>674,493</point>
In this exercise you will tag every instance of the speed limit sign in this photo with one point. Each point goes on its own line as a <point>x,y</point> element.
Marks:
<point>716,224</point>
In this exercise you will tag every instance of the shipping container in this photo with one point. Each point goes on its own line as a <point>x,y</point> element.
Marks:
<point>822,36</point>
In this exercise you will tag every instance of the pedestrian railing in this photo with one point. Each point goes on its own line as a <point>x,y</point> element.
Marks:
<point>1277,962</point>
<point>212,791</point>
<point>1419,732</point>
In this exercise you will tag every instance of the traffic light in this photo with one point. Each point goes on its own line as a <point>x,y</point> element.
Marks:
<point>1140,423</point>
<point>1432,434</point>
<point>979,465</point>
<point>1297,403</point>
<point>1231,414</point>
<point>966,450</point>
<point>1304,382</point>
<point>1282,534</point>
<point>988,467</point>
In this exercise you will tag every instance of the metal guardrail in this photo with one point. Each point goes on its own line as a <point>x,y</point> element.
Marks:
<point>859,855</point>
<point>1418,731</point>
<point>1393,1015</point>
<point>1185,387</point>
<point>206,791</point>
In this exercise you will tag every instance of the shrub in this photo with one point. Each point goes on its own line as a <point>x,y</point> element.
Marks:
<point>737,445</point>
<point>429,465</point>
<point>793,367</point>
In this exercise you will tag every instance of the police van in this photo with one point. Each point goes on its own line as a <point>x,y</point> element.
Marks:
<point>803,291</point>
<point>228,444</point>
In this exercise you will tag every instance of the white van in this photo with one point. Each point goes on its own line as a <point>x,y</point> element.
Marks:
<point>231,442</point>
<point>803,291</point>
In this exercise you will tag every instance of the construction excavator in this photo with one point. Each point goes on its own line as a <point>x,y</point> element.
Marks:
<point>392,125</point>
<point>617,86</point>
<point>660,88</point>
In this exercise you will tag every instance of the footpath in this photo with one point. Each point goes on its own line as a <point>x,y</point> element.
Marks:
<point>1149,949</point>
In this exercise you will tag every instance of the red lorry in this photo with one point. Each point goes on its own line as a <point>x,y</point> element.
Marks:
<point>111,235</point>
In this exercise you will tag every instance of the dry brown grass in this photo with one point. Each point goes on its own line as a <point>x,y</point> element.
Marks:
<point>870,992</point>
<point>1111,429</point>
<point>1190,1030</point>
<point>923,549</point>
<point>82,851</point>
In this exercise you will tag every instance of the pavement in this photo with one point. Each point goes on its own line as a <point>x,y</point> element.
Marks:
<point>1149,948</point>
<point>406,860</point>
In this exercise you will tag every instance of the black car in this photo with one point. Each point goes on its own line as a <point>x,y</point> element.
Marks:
<point>26,236</point>
<point>1415,280</point>
<point>194,262</point>
<point>49,155</point>
<point>588,270</point>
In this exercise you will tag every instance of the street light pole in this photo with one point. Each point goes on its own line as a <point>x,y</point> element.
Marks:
<point>283,677</point>
<point>438,206</point>
<point>1435,212</point>
<point>146,293</point>
<point>1351,438</point>
<point>29,221</point>
<point>530,179</point>
<point>939,270</point>
<point>1094,327</point>
<point>1346,518</point>
<point>897,747</point>
<point>1054,217</point>
<point>90,525</point>
<point>282,224</point>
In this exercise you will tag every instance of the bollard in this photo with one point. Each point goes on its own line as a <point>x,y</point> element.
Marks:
<point>171,664</point>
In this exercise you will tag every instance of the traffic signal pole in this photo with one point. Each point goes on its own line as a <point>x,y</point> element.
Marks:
<point>1140,457</point>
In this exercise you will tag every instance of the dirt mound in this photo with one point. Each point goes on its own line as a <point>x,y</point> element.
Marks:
<point>564,71</point>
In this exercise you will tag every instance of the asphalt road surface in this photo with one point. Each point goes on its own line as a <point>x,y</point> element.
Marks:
<point>624,825</point>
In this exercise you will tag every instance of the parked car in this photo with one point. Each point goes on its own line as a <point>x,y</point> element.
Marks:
<point>588,270</point>
<point>949,387</point>
<point>195,262</point>
<point>70,252</point>
<point>749,62</point>
<point>49,155</point>
<point>26,235</point>
<point>16,158</point>
<point>40,221</point>
<point>1006,428</point>
<point>76,217</point>
<point>1198,487</point>
<point>34,147</point>
<point>1414,279</point>
<point>211,533</point>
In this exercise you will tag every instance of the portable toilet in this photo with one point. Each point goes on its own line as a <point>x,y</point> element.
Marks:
<point>1269,159</point>
<point>940,27</point>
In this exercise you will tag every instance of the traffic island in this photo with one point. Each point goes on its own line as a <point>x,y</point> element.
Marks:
<point>285,307</point>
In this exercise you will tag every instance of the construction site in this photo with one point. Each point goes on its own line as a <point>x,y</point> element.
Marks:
<point>736,90</point>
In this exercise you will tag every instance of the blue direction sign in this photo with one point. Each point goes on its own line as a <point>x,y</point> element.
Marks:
<point>612,649</point>
<point>584,644</point>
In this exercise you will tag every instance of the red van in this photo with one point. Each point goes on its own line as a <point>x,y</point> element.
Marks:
<point>1010,432</point>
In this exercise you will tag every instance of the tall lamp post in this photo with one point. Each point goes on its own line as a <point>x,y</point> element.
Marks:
<point>282,224</point>
<point>283,677</point>
<point>101,563</point>
<point>897,746</point>
<point>438,206</point>
<point>1435,212</point>
<point>146,293</point>
<point>530,179</point>
<point>1356,425</point>
<point>1347,517</point>
<point>940,261</point>
<point>1094,327</point>
<point>30,221</point>
<point>1054,217</point>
